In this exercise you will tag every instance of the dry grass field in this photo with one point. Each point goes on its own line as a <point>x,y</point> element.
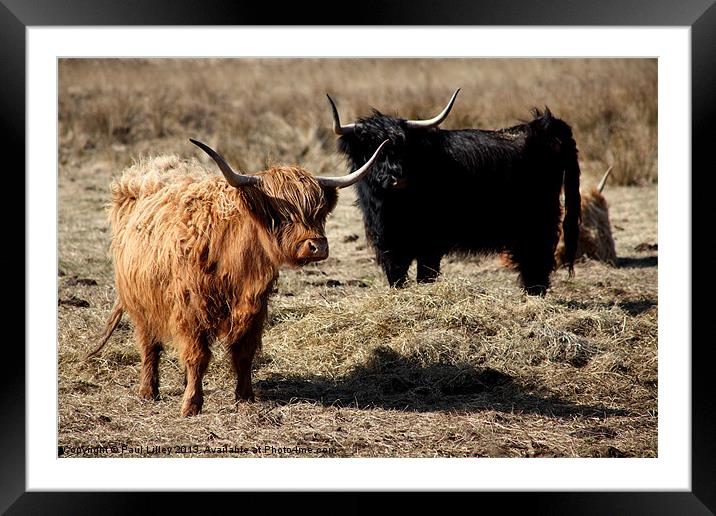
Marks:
<point>467,366</point>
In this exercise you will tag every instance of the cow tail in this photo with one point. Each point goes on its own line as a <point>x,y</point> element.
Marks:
<point>573,205</point>
<point>114,317</point>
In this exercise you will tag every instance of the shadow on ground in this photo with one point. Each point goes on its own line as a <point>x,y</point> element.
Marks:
<point>389,380</point>
<point>637,263</point>
<point>633,307</point>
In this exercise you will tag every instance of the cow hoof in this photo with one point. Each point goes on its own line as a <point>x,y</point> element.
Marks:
<point>149,394</point>
<point>247,397</point>
<point>536,290</point>
<point>190,409</point>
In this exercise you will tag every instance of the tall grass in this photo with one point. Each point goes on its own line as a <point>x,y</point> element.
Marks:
<point>249,106</point>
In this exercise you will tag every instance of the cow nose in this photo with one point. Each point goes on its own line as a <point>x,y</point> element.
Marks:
<point>315,248</point>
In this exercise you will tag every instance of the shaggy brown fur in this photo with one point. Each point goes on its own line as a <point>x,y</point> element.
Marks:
<point>595,232</point>
<point>195,260</point>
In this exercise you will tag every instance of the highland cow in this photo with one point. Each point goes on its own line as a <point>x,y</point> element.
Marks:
<point>196,256</point>
<point>595,231</point>
<point>471,190</point>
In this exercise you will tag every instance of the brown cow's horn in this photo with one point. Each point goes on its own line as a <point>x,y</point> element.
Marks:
<point>337,127</point>
<point>436,121</point>
<point>353,177</point>
<point>604,179</point>
<point>234,179</point>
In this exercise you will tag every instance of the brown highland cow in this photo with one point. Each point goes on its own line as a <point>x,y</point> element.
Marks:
<point>196,256</point>
<point>595,231</point>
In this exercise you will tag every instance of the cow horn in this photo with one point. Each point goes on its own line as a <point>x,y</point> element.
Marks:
<point>604,179</point>
<point>234,179</point>
<point>436,121</point>
<point>353,177</point>
<point>337,127</point>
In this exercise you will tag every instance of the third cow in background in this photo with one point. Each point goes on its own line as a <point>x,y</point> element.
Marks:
<point>595,232</point>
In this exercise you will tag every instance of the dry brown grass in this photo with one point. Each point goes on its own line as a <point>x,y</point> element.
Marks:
<point>259,110</point>
<point>465,367</point>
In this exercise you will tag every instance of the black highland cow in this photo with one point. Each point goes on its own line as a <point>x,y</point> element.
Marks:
<point>436,191</point>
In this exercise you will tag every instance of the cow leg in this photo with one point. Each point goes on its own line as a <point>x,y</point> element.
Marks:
<point>149,348</point>
<point>535,262</point>
<point>395,265</point>
<point>242,354</point>
<point>195,355</point>
<point>534,253</point>
<point>534,282</point>
<point>428,269</point>
<point>397,274</point>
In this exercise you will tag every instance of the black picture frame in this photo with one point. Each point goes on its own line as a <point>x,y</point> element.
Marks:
<point>700,15</point>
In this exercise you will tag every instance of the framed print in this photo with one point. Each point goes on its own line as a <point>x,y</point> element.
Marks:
<point>420,353</point>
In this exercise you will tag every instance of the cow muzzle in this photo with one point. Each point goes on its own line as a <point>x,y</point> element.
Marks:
<point>313,249</point>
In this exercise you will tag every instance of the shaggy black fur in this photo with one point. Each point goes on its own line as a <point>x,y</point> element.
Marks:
<point>436,191</point>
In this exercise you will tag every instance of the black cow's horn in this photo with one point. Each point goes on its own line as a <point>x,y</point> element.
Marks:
<point>353,177</point>
<point>436,121</point>
<point>337,127</point>
<point>234,179</point>
<point>604,179</point>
